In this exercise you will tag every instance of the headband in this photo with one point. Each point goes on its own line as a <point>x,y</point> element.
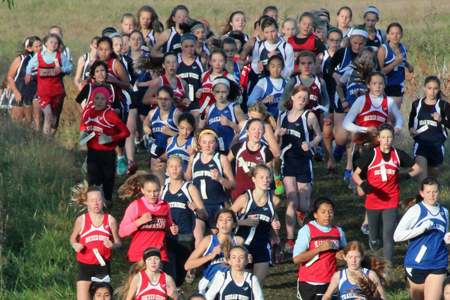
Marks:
<point>26,43</point>
<point>114,34</point>
<point>151,253</point>
<point>208,131</point>
<point>188,36</point>
<point>334,29</point>
<point>108,29</point>
<point>221,80</point>
<point>360,32</point>
<point>372,10</point>
<point>103,91</point>
<point>198,25</point>
<point>204,22</point>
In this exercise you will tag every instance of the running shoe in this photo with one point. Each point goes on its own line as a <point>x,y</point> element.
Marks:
<point>318,156</point>
<point>279,187</point>
<point>374,245</point>
<point>300,218</point>
<point>289,246</point>
<point>190,276</point>
<point>338,153</point>
<point>347,175</point>
<point>277,254</point>
<point>132,167</point>
<point>365,228</point>
<point>122,165</point>
<point>331,171</point>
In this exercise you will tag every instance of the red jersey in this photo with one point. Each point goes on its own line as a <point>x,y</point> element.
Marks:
<point>308,45</point>
<point>244,77</point>
<point>93,237</point>
<point>371,115</point>
<point>90,98</point>
<point>151,234</point>
<point>103,121</point>
<point>382,175</point>
<point>50,85</point>
<point>149,291</point>
<point>245,160</point>
<point>207,99</point>
<point>178,92</point>
<point>323,269</point>
<point>314,95</point>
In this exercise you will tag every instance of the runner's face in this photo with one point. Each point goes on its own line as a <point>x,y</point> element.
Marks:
<point>385,138</point>
<point>100,101</point>
<point>238,22</point>
<point>56,31</point>
<point>376,85</point>
<point>153,263</point>
<point>394,34</point>
<point>185,129</point>
<point>117,45</point>
<point>151,191</point>
<point>370,20</point>
<point>220,92</point>
<point>271,34</point>
<point>136,41</point>
<point>104,51</point>
<point>145,19</point>
<point>334,41</point>
<point>95,201</point>
<point>164,100</point>
<point>238,259</point>
<point>306,65</point>
<point>200,34</point>
<point>357,42</point>
<point>321,34</point>
<point>431,90</point>
<point>208,143</point>
<point>181,16</point>
<point>289,29</point>
<point>217,62</point>
<point>305,26</point>
<point>100,74</point>
<point>255,132</point>
<point>275,68</point>
<point>344,18</point>
<point>262,179</point>
<point>52,44</point>
<point>126,45</point>
<point>188,48</point>
<point>324,214</point>
<point>127,25</point>
<point>102,294</point>
<point>300,100</point>
<point>353,259</point>
<point>225,223</point>
<point>447,292</point>
<point>230,50</point>
<point>174,168</point>
<point>273,14</point>
<point>170,64</point>
<point>37,46</point>
<point>430,194</point>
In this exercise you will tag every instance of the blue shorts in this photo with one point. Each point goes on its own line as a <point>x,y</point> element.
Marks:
<point>156,152</point>
<point>433,155</point>
<point>212,210</point>
<point>260,251</point>
<point>299,167</point>
<point>395,90</point>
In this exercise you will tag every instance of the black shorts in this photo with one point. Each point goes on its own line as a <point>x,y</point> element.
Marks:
<point>418,276</point>
<point>26,102</point>
<point>394,90</point>
<point>306,291</point>
<point>299,167</point>
<point>260,251</point>
<point>211,209</point>
<point>87,271</point>
<point>433,155</point>
<point>156,152</point>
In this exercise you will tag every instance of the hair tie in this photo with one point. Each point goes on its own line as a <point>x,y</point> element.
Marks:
<point>104,279</point>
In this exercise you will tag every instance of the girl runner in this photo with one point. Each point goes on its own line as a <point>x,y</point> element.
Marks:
<point>236,21</point>
<point>316,250</point>
<point>213,249</point>
<point>93,237</point>
<point>430,114</point>
<point>205,94</point>
<point>51,65</point>
<point>211,173</point>
<point>229,46</point>
<point>146,218</point>
<point>376,37</point>
<point>101,290</point>
<point>224,115</point>
<point>344,17</point>
<point>382,167</point>
<point>248,154</point>
<point>170,39</point>
<point>257,218</point>
<point>127,22</point>
<point>161,123</point>
<point>22,105</point>
<point>295,127</point>
<point>271,11</point>
<point>148,24</point>
<point>392,59</point>
<point>198,29</point>
<point>147,281</point>
<point>185,204</point>
<point>101,120</point>
<point>273,45</point>
<point>425,225</point>
<point>84,63</point>
<point>235,283</point>
<point>136,42</point>
<point>288,28</point>
<point>125,59</point>
<point>359,265</point>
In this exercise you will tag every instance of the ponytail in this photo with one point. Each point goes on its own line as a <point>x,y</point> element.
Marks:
<point>133,185</point>
<point>81,191</point>
<point>377,264</point>
<point>409,202</point>
<point>367,289</point>
<point>134,269</point>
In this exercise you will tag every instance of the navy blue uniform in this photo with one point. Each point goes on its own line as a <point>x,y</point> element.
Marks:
<point>181,214</point>
<point>173,44</point>
<point>329,80</point>
<point>225,133</point>
<point>27,91</point>
<point>376,42</point>
<point>211,191</point>
<point>219,262</point>
<point>181,151</point>
<point>264,55</point>
<point>231,291</point>
<point>346,289</point>
<point>257,238</point>
<point>295,161</point>
<point>192,74</point>
<point>160,139</point>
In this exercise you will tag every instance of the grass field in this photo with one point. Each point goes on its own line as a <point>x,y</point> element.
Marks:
<point>36,174</point>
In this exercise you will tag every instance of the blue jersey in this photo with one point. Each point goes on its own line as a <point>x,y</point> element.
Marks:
<point>397,75</point>
<point>265,215</point>
<point>272,107</point>
<point>345,64</point>
<point>211,191</point>
<point>181,151</point>
<point>377,42</point>
<point>296,133</point>
<point>218,263</point>
<point>181,214</point>
<point>431,241</point>
<point>157,125</point>
<point>237,73</point>
<point>353,88</point>
<point>346,288</point>
<point>243,136</point>
<point>225,133</point>
<point>436,134</point>
<point>231,291</point>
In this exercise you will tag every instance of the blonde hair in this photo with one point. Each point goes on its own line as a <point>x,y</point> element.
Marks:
<point>133,185</point>
<point>81,191</point>
<point>260,108</point>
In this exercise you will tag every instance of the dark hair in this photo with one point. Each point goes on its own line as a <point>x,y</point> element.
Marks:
<point>269,22</point>
<point>168,89</point>
<point>446,282</point>
<point>95,285</point>
<point>154,22</point>
<point>225,210</point>
<point>276,56</point>
<point>196,295</point>
<point>188,117</point>
<point>304,53</point>
<point>140,33</point>
<point>440,94</point>
<point>28,43</point>
<point>269,8</point>
<point>108,40</point>
<point>238,35</point>
<point>61,45</point>
<point>395,24</point>
<point>316,205</point>
<point>299,88</point>
<point>376,73</point>
<point>386,126</point>
<point>56,26</point>
<point>409,202</point>
<point>334,29</point>
<point>347,8</point>
<point>371,12</point>
<point>229,41</point>
<point>307,14</point>
<point>227,27</point>
<point>170,22</point>
<point>219,51</point>
<point>234,89</point>
<point>260,20</point>
<point>95,65</point>
<point>320,23</point>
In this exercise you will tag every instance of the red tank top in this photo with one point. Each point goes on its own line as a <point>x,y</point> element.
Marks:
<point>308,45</point>
<point>207,99</point>
<point>323,269</point>
<point>178,92</point>
<point>93,237</point>
<point>49,84</point>
<point>371,115</point>
<point>382,175</point>
<point>245,160</point>
<point>151,234</point>
<point>149,291</point>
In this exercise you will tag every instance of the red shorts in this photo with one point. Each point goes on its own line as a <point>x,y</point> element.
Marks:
<point>55,102</point>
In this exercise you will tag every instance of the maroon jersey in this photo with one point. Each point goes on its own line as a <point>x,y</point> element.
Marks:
<point>93,237</point>
<point>323,269</point>
<point>149,291</point>
<point>382,175</point>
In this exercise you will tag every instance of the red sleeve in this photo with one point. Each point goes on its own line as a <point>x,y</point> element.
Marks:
<point>124,132</point>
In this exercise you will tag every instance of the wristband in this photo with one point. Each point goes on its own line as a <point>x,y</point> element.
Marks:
<point>74,245</point>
